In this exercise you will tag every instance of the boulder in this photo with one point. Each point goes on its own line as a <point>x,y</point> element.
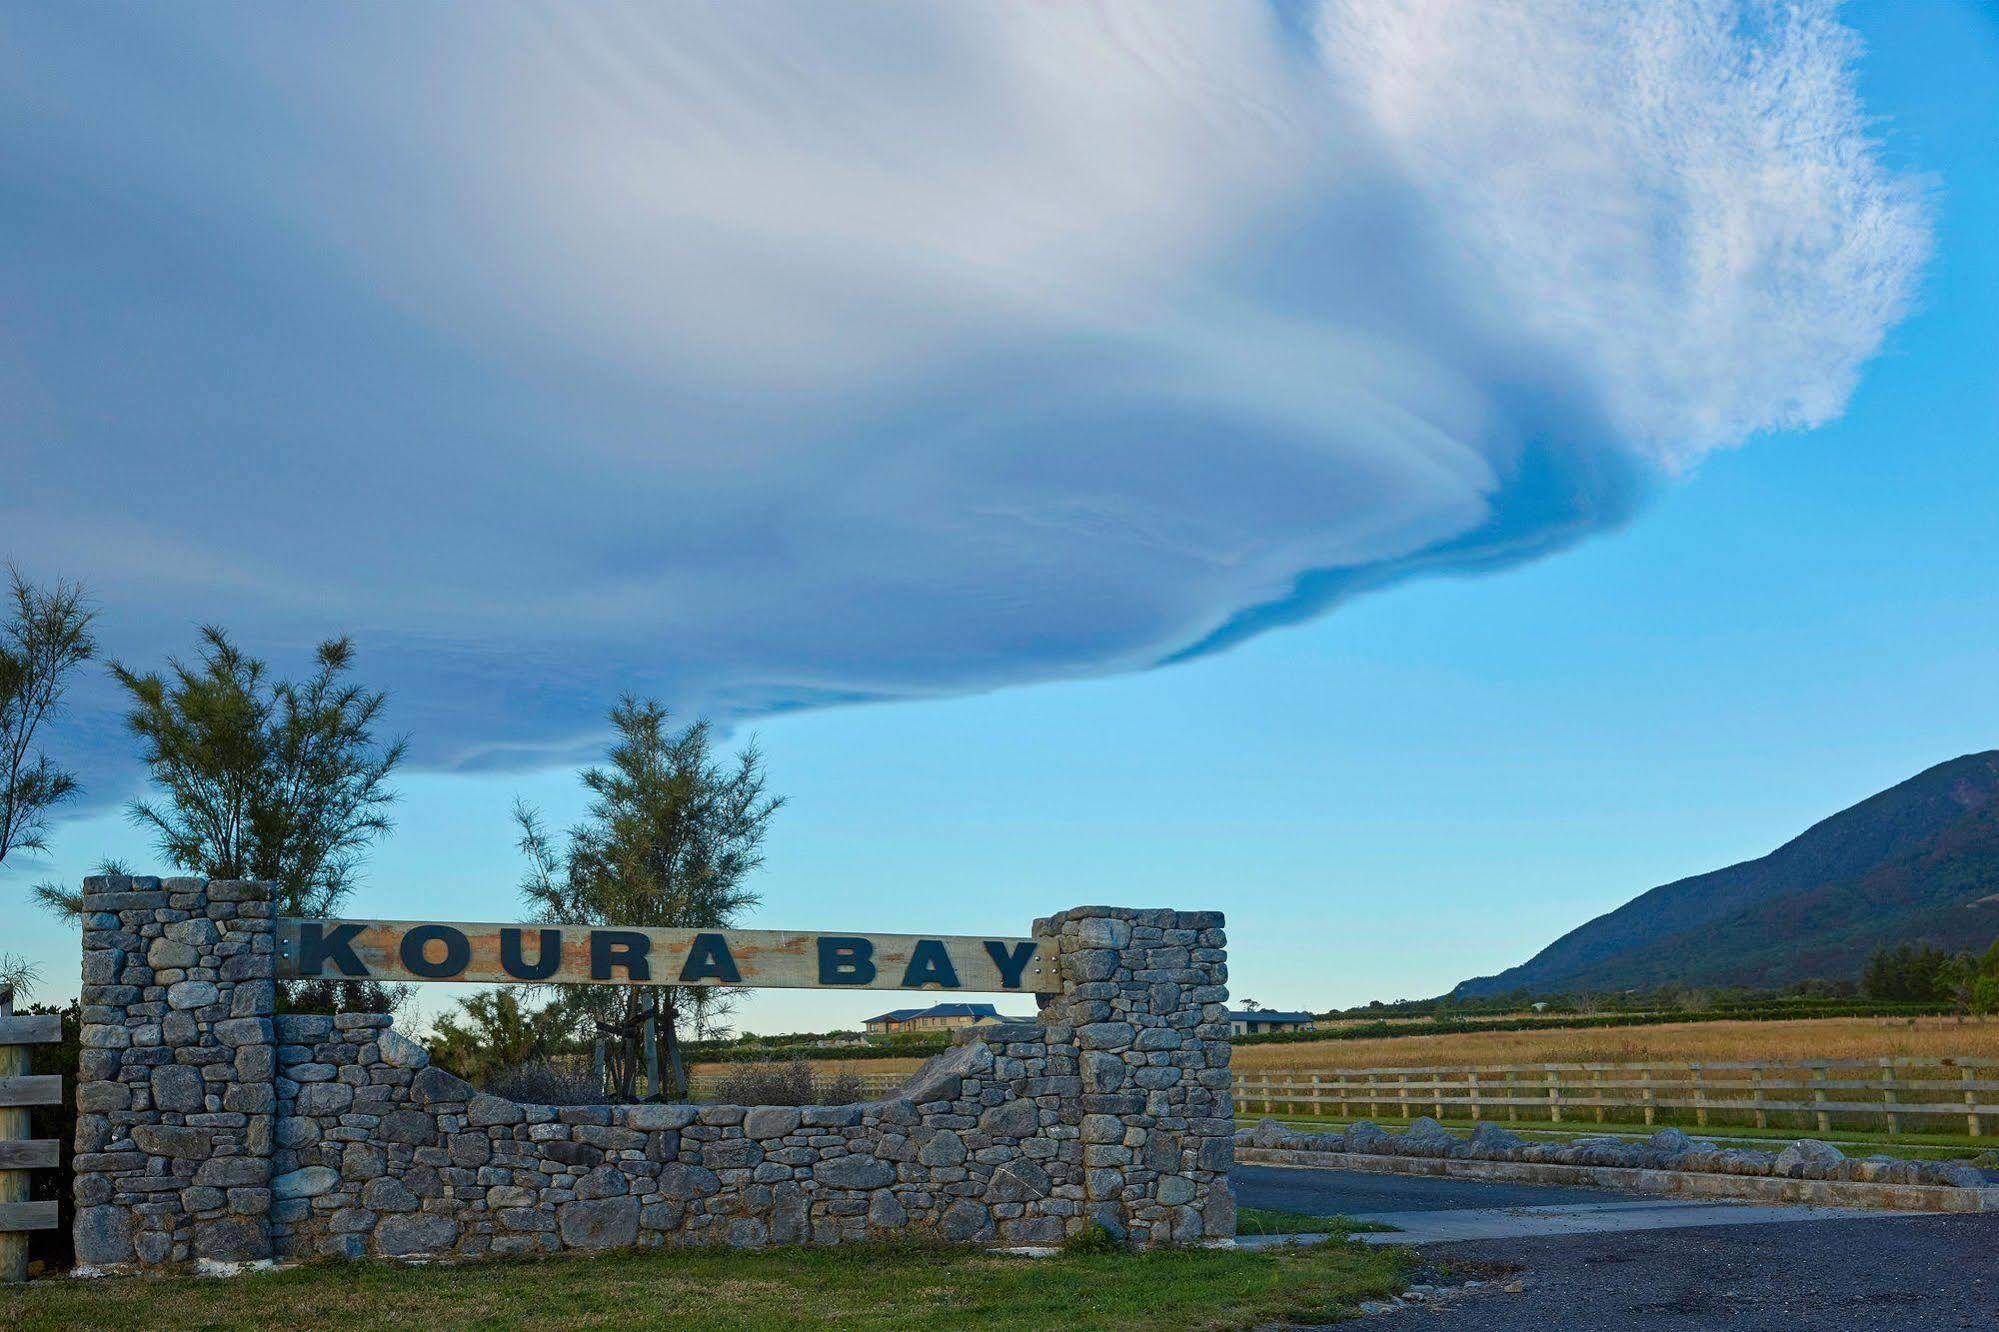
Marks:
<point>1809,1159</point>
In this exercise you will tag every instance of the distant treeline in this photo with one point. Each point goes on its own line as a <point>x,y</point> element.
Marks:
<point>1455,1026</point>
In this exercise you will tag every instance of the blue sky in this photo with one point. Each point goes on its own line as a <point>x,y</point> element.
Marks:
<point>1666,552</point>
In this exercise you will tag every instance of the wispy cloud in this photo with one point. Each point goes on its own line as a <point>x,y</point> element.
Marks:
<point>770,355</point>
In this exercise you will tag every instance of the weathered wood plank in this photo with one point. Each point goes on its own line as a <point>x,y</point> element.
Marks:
<point>45,1090</point>
<point>30,1154</point>
<point>33,1029</point>
<point>393,950</point>
<point>18,1216</point>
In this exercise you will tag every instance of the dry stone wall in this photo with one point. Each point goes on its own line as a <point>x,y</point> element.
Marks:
<point>337,1137</point>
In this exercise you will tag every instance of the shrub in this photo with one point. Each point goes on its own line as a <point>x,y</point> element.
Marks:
<point>789,1083</point>
<point>1092,1238</point>
<point>543,1083</point>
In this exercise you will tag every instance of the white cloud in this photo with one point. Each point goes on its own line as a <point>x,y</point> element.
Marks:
<point>773,354</point>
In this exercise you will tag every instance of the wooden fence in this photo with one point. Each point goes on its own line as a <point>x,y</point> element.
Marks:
<point>18,1153</point>
<point>1900,1095</point>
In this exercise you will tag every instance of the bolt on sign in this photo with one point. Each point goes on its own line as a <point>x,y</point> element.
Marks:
<point>401,950</point>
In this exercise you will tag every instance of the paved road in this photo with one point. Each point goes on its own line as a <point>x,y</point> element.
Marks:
<point>1353,1192</point>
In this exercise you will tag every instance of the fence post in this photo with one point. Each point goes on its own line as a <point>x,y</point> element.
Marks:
<point>1819,1098</point>
<point>1971,1102</point>
<point>1888,1097</point>
<point>1756,1094</point>
<point>1402,1095</point>
<point>1318,1096</point>
<point>1700,1095</point>
<point>1471,1093</point>
<point>1645,1091</point>
<point>1554,1096</point>
<point>1437,1090</point>
<point>1596,1091</point>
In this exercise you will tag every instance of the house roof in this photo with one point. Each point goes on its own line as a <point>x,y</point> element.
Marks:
<point>1267,1015</point>
<point>937,1011</point>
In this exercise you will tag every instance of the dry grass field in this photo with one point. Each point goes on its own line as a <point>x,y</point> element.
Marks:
<point>1816,1038</point>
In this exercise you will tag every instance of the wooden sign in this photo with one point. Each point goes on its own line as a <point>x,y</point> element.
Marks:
<point>402,950</point>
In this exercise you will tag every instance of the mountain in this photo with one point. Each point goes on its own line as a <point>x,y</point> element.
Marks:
<point>1917,862</point>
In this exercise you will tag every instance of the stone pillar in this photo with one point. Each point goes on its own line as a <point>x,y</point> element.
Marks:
<point>176,1086</point>
<point>1146,995</point>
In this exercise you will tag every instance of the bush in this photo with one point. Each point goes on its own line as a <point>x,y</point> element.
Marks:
<point>790,1083</point>
<point>1092,1238</point>
<point>544,1083</point>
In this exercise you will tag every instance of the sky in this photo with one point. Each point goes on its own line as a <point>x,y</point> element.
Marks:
<point>1412,477</point>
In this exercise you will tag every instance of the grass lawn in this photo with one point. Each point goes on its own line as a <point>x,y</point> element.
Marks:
<point>1275,1221</point>
<point>1854,1142</point>
<point>861,1286</point>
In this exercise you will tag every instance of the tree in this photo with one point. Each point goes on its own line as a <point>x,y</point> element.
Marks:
<point>279,781</point>
<point>1910,973</point>
<point>44,638</point>
<point>670,837</point>
<point>494,1031</point>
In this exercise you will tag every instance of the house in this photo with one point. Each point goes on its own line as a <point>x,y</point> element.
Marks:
<point>937,1017</point>
<point>1249,1022</point>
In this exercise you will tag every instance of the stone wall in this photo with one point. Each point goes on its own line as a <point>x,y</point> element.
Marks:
<point>175,1084</point>
<point>1113,1109</point>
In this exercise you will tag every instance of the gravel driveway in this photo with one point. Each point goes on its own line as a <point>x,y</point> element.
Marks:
<point>1905,1274</point>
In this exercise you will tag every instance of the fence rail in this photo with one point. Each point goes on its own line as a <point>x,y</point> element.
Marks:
<point>1923,1095</point>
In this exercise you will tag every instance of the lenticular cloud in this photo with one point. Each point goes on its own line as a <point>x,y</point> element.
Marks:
<point>767,355</point>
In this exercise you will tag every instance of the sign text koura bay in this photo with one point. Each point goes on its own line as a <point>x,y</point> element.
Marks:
<point>402,950</point>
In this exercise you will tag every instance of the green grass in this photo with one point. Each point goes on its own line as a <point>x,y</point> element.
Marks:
<point>1910,1146</point>
<point>1275,1221</point>
<point>861,1286</point>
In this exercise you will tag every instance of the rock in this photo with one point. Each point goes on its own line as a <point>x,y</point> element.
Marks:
<point>487,1111</point>
<point>946,1148</point>
<point>1489,1137</point>
<point>651,1118</point>
<point>178,1088</point>
<point>401,1236</point>
<point>399,1051</point>
<point>244,1031</point>
<point>854,1172</point>
<point>964,1220</point>
<point>103,1236</point>
<point>361,1163</point>
<point>325,1098</point>
<point>234,1172</point>
<point>388,1194</point>
<point>1807,1155</point>
<point>307,1183</point>
<point>170,954</point>
<point>680,1180</point>
<point>573,1153</point>
<point>885,1212</point>
<point>603,1182</point>
<point>1669,1142</point>
<point>770,1121</point>
<point>411,1128</point>
<point>608,1223</point>
<point>184,995</point>
<point>433,1085</point>
<point>190,1144</point>
<point>1958,1175</point>
<point>1175,1190</point>
<point>1018,1182</point>
<point>233,1240</point>
<point>1267,1133</point>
